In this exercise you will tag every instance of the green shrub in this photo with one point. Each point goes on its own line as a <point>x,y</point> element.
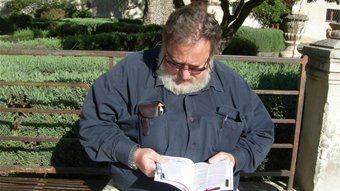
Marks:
<point>82,14</point>
<point>21,21</point>
<point>38,33</point>
<point>70,29</point>
<point>118,27</point>
<point>6,26</point>
<point>270,12</point>
<point>127,28</point>
<point>5,45</point>
<point>113,41</point>
<point>21,35</point>
<point>48,25</point>
<point>265,40</point>
<point>130,21</point>
<point>42,25</point>
<point>52,14</point>
<point>151,28</point>
<point>241,46</point>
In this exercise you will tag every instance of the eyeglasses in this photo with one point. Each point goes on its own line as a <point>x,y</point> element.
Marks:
<point>194,70</point>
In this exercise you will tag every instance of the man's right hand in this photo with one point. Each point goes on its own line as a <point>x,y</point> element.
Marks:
<point>145,159</point>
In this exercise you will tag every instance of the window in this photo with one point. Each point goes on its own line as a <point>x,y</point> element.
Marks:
<point>333,15</point>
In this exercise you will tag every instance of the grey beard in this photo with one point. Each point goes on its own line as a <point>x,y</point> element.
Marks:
<point>169,82</point>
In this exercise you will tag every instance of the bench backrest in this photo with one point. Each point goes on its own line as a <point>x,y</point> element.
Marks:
<point>8,169</point>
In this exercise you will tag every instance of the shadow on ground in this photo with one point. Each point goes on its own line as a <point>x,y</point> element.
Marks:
<point>263,186</point>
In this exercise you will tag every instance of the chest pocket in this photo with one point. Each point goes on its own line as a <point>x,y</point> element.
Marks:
<point>153,131</point>
<point>230,130</point>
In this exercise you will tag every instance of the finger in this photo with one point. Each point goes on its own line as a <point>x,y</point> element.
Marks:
<point>214,159</point>
<point>158,158</point>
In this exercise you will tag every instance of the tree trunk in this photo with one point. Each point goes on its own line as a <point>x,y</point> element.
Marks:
<point>157,12</point>
<point>232,21</point>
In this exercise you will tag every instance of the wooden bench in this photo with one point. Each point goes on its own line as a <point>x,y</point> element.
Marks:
<point>16,177</point>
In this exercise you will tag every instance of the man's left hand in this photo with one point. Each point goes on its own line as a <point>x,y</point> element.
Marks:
<point>222,156</point>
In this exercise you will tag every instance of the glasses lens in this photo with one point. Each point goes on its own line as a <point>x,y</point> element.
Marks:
<point>192,70</point>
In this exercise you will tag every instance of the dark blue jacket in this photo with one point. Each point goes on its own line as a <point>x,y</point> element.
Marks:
<point>224,116</point>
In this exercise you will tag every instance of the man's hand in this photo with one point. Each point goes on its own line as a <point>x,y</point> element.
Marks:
<point>222,156</point>
<point>145,159</point>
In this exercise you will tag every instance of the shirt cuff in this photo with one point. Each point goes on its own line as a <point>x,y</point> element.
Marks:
<point>240,159</point>
<point>122,150</point>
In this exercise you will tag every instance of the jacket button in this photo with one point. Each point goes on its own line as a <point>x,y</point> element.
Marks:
<point>191,119</point>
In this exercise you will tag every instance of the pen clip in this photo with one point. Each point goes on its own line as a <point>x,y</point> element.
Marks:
<point>224,120</point>
<point>160,109</point>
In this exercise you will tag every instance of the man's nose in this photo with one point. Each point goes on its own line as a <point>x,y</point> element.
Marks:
<point>185,74</point>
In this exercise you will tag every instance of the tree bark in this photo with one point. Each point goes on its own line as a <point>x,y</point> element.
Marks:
<point>157,12</point>
<point>232,22</point>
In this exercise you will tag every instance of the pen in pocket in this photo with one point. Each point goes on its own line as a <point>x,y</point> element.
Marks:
<point>224,121</point>
<point>160,109</point>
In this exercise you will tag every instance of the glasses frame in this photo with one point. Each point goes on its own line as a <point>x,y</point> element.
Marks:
<point>194,70</point>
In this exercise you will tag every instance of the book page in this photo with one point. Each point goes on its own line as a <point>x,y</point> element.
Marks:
<point>177,171</point>
<point>218,175</point>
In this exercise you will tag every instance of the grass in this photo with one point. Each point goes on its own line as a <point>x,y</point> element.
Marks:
<point>87,69</point>
<point>38,43</point>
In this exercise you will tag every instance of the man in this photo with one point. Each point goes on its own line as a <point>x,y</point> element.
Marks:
<point>177,101</point>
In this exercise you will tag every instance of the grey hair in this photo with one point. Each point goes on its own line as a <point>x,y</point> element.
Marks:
<point>189,24</point>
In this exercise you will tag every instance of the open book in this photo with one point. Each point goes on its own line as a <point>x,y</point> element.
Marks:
<point>186,175</point>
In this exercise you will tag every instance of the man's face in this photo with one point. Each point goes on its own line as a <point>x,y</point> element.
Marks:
<point>185,67</point>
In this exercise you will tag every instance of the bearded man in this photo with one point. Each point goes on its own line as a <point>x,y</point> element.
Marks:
<point>175,100</point>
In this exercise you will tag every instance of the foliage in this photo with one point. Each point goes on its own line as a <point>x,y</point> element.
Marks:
<point>128,28</point>
<point>24,35</point>
<point>52,14</point>
<point>6,26</point>
<point>21,21</point>
<point>113,41</point>
<point>270,12</point>
<point>130,21</point>
<point>37,7</point>
<point>21,6</point>
<point>68,29</point>
<point>118,27</point>
<point>82,14</point>
<point>250,41</point>
<point>38,43</point>
<point>68,7</point>
<point>20,35</point>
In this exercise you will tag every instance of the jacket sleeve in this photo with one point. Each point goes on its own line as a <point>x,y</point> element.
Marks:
<point>99,133</point>
<point>258,137</point>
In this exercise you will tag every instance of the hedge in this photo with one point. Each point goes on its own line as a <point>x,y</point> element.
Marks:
<point>250,41</point>
<point>113,41</point>
<point>6,27</point>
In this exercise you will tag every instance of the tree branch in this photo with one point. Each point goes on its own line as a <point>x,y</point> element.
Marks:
<point>226,13</point>
<point>246,9</point>
<point>229,31</point>
<point>237,11</point>
<point>231,23</point>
